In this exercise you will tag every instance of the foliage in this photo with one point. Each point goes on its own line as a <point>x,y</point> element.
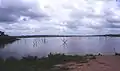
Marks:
<point>33,63</point>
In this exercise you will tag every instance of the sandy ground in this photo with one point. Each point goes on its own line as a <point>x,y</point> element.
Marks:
<point>101,63</point>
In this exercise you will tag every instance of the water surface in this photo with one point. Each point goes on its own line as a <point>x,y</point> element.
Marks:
<point>69,45</point>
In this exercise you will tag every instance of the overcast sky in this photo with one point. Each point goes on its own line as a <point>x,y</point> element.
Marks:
<point>20,17</point>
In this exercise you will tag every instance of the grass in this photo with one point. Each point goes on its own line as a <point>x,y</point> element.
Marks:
<point>33,63</point>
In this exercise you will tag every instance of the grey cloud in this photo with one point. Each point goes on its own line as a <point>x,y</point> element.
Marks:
<point>114,26</point>
<point>7,15</point>
<point>12,12</point>
<point>113,21</point>
<point>73,24</point>
<point>105,19</point>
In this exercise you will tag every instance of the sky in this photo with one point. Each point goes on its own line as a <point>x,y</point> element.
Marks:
<point>28,17</point>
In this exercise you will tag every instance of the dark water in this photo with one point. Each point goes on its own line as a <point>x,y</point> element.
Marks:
<point>68,45</point>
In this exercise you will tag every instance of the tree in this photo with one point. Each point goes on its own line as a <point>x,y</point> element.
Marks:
<point>2,33</point>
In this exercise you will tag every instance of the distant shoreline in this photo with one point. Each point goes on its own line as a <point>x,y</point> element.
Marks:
<point>30,36</point>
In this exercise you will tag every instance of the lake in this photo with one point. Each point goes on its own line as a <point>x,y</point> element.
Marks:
<point>69,45</point>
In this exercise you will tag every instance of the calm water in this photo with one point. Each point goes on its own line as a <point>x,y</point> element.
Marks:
<point>68,45</point>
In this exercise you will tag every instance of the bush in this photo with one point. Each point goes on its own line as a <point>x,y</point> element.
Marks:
<point>33,63</point>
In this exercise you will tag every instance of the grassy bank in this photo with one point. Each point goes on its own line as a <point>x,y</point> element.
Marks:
<point>32,63</point>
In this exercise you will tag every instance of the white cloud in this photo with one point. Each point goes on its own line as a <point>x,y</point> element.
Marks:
<point>62,17</point>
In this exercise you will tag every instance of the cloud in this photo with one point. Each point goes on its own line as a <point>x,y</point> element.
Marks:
<point>13,11</point>
<point>64,17</point>
<point>97,15</point>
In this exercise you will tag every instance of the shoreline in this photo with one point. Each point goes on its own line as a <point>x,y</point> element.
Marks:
<point>41,64</point>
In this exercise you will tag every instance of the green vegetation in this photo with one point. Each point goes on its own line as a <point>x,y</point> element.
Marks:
<point>33,63</point>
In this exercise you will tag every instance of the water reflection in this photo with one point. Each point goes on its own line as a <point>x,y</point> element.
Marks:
<point>5,41</point>
<point>68,45</point>
<point>64,40</point>
<point>2,45</point>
